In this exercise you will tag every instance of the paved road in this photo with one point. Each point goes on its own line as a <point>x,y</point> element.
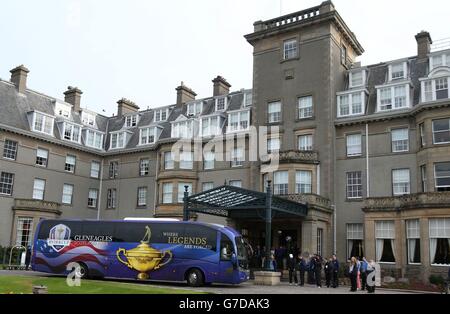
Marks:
<point>245,288</point>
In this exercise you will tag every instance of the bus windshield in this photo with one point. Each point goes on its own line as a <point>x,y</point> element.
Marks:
<point>241,249</point>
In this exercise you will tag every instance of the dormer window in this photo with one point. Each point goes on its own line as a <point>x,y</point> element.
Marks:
<point>161,115</point>
<point>42,123</point>
<point>398,71</point>
<point>72,132</point>
<point>221,104</point>
<point>63,110</point>
<point>149,135</point>
<point>87,118</point>
<point>118,140</point>
<point>439,60</point>
<point>212,126</point>
<point>357,79</point>
<point>131,121</point>
<point>238,121</point>
<point>351,104</point>
<point>93,139</point>
<point>194,109</point>
<point>248,99</point>
<point>393,97</point>
<point>185,129</point>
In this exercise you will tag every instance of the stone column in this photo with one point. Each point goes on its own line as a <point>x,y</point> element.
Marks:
<point>425,248</point>
<point>309,236</point>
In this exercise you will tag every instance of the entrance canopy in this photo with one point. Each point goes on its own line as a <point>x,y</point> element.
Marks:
<point>234,202</point>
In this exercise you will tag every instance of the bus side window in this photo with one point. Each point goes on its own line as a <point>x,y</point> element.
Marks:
<point>226,248</point>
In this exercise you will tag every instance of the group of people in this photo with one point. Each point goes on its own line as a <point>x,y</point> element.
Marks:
<point>313,268</point>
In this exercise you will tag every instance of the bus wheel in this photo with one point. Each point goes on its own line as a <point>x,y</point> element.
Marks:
<point>82,272</point>
<point>195,278</point>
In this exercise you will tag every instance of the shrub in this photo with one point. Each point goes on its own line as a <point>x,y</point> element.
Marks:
<point>437,280</point>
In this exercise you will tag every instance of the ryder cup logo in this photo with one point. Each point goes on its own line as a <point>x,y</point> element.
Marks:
<point>59,237</point>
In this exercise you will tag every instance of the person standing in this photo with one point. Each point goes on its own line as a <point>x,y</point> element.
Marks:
<point>301,269</point>
<point>358,276</point>
<point>318,270</point>
<point>335,274</point>
<point>311,270</point>
<point>291,263</point>
<point>363,271</point>
<point>353,274</point>
<point>328,269</point>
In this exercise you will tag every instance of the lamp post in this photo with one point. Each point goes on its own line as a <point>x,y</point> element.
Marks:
<point>186,203</point>
<point>268,225</point>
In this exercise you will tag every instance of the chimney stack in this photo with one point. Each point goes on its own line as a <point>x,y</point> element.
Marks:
<point>424,42</point>
<point>221,86</point>
<point>126,106</point>
<point>73,96</point>
<point>19,78</point>
<point>184,94</point>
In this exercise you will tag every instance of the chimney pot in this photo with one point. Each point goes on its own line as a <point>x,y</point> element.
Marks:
<point>184,94</point>
<point>19,78</point>
<point>73,97</point>
<point>221,86</point>
<point>424,42</point>
<point>126,106</point>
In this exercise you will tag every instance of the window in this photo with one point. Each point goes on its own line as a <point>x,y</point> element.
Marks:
<point>398,71</point>
<point>351,104</point>
<point>413,241</point>
<point>161,115</point>
<point>208,161</point>
<point>70,164</point>
<point>167,193</point>
<point>354,145</point>
<point>435,89</point>
<point>423,178</point>
<point>38,189</point>
<point>281,183</point>
<point>24,231</point>
<point>441,131</point>
<point>113,169</point>
<point>400,97</point>
<point>92,198</point>
<point>400,140</point>
<point>42,157</point>
<point>442,176</point>
<point>305,142</point>
<point>168,161</point>
<point>131,121</point>
<point>274,111</point>
<point>221,104</point>
<point>207,186</point>
<point>10,150</point>
<point>111,201</point>
<point>248,99</point>
<point>385,241</point>
<point>87,118</point>
<point>148,135</point>
<point>43,123</point>
<point>94,139</point>
<point>237,157</point>
<point>235,183</point>
<point>303,182</point>
<point>118,140</point>
<point>355,239</point>
<point>62,110</point>
<point>343,55</point>
<point>401,182</point>
<point>428,94</point>
<point>95,169</point>
<point>441,88</point>
<point>290,48</point>
<point>226,248</point>
<point>305,107</point>
<point>273,145</point>
<point>67,194</point>
<point>440,241</point>
<point>186,160</point>
<point>422,135</point>
<point>181,188</point>
<point>320,241</point>
<point>357,79</point>
<point>72,132</point>
<point>238,121</point>
<point>184,129</point>
<point>194,109</point>
<point>354,185</point>
<point>6,183</point>
<point>212,126</point>
<point>396,97</point>
<point>142,196</point>
<point>144,167</point>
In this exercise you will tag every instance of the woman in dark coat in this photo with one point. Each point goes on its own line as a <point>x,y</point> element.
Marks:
<point>353,274</point>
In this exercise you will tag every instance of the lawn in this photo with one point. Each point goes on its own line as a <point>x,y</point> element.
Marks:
<point>58,285</point>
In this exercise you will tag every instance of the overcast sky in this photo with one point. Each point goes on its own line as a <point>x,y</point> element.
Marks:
<point>142,49</point>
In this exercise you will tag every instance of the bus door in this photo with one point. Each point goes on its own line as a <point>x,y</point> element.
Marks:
<point>226,267</point>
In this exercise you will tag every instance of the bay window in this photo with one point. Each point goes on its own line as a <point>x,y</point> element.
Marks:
<point>167,193</point>
<point>441,131</point>
<point>435,89</point>
<point>303,182</point>
<point>440,241</point>
<point>413,241</point>
<point>281,182</point>
<point>385,241</point>
<point>401,182</point>
<point>442,176</point>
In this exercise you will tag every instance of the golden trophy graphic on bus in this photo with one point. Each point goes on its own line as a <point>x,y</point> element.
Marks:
<point>144,258</point>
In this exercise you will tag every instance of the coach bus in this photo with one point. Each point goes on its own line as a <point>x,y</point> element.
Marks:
<point>165,250</point>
